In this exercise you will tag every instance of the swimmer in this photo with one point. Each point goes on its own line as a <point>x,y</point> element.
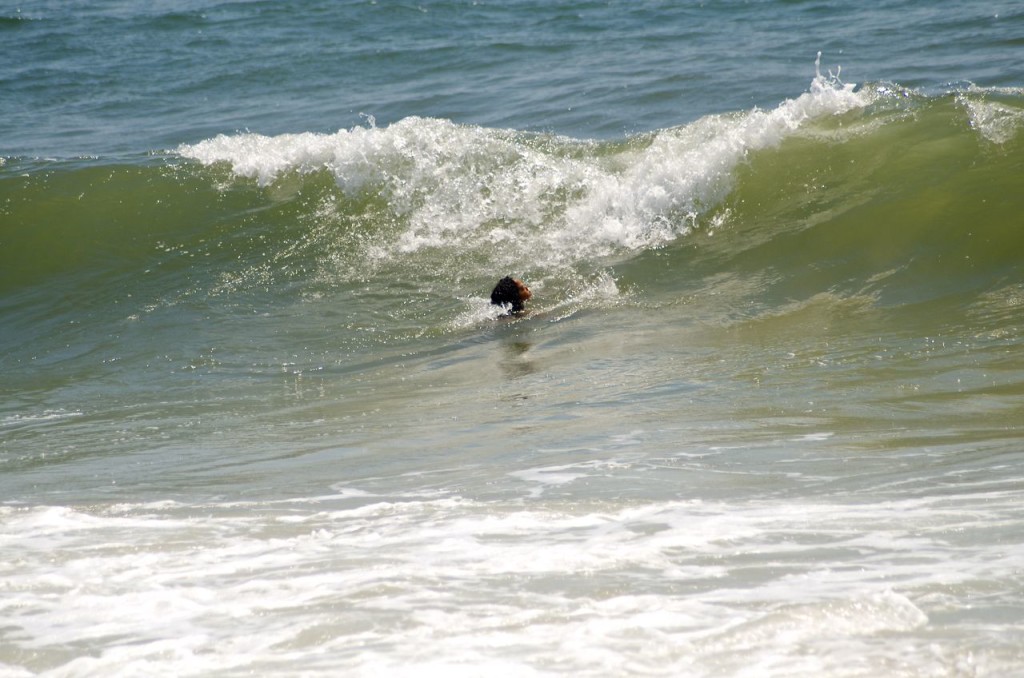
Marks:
<point>511,291</point>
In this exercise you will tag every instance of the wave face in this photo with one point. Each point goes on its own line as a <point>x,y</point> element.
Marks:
<point>876,191</point>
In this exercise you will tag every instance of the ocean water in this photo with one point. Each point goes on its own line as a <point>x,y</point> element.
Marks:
<point>257,415</point>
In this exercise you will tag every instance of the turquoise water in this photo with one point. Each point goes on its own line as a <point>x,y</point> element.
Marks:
<point>764,418</point>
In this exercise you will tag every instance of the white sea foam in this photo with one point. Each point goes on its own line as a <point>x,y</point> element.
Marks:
<point>687,170</point>
<point>549,200</point>
<point>994,121</point>
<point>405,586</point>
<point>17,421</point>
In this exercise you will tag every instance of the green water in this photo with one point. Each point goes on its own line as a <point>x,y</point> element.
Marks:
<point>866,263</point>
<point>768,398</point>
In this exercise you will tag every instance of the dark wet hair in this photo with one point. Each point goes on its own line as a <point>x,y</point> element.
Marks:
<point>507,292</point>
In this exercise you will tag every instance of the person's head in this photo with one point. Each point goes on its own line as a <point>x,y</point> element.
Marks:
<point>511,291</point>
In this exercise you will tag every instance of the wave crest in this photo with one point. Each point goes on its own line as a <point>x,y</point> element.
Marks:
<point>510,197</point>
